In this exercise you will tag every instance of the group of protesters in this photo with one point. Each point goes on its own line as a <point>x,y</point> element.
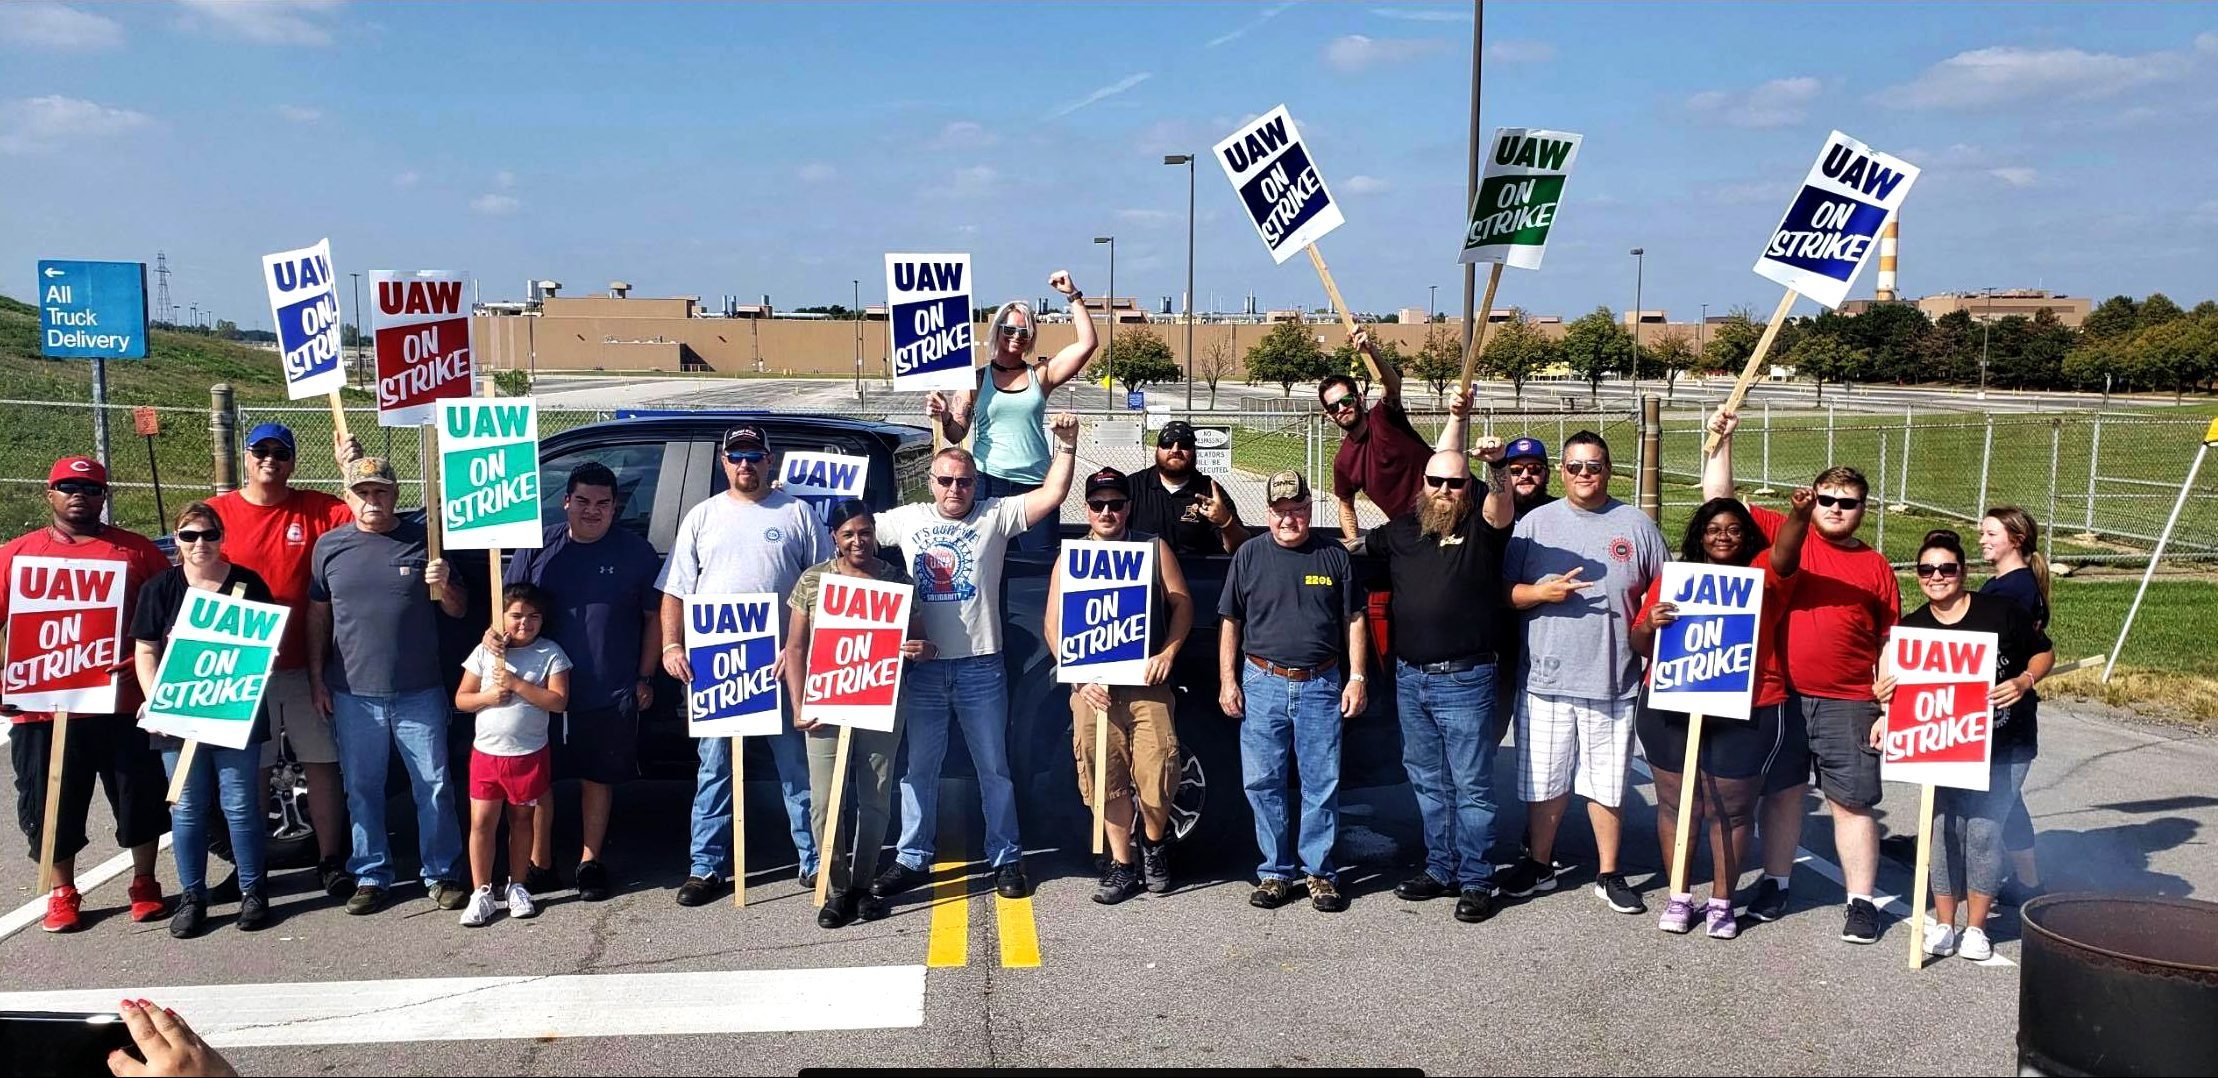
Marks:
<point>1510,609</point>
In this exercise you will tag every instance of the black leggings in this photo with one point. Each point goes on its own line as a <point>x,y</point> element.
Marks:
<point>1730,782</point>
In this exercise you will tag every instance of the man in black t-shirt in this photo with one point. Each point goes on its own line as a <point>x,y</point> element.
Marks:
<point>1292,610</point>
<point>1191,511</point>
<point>1444,559</point>
<point>1525,464</point>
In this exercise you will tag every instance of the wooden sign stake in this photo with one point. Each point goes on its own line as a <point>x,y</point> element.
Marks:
<point>826,842</point>
<point>427,456</point>
<point>338,416</point>
<point>1340,306</point>
<point>1688,787</point>
<point>1101,780</point>
<point>1918,876</point>
<point>53,801</point>
<point>739,825</point>
<point>1486,322</point>
<point>1755,361</point>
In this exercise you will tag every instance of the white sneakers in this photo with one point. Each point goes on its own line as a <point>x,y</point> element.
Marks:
<point>482,907</point>
<point>1971,943</point>
<point>1940,939</point>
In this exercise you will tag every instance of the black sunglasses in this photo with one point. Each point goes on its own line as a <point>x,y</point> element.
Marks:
<point>1452,482</point>
<point>1590,467</point>
<point>190,535</point>
<point>959,482</point>
<point>1015,331</point>
<point>1176,443</point>
<point>1944,570</point>
<point>1107,505</point>
<point>271,452</point>
<point>1847,505</point>
<point>749,457</point>
<point>1344,404</point>
<point>81,486</point>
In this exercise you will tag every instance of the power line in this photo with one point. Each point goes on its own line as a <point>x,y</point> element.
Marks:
<point>162,304</point>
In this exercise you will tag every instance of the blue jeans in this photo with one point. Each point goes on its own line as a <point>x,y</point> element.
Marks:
<point>1448,749</point>
<point>975,692</point>
<point>221,778</point>
<point>1301,718</point>
<point>368,728</point>
<point>712,800</point>
<point>1041,536</point>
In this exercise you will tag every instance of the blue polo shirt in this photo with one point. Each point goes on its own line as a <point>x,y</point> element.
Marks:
<point>600,589</point>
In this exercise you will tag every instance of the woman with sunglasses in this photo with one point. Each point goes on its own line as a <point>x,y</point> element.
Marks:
<point>868,810</point>
<point>220,778</point>
<point>2010,540</point>
<point>1007,415</point>
<point>1970,822</point>
<point>1740,762</point>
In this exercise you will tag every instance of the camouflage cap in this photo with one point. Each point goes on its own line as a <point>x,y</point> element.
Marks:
<point>370,470</point>
<point>1286,486</point>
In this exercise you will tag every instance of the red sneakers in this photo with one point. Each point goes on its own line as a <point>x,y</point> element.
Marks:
<point>146,899</point>
<point>61,910</point>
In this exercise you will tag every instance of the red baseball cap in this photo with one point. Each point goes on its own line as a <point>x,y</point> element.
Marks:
<point>84,468</point>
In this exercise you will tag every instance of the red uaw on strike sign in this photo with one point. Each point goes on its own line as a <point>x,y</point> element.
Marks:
<point>421,324</point>
<point>855,639</point>
<point>65,635</point>
<point>1940,726</point>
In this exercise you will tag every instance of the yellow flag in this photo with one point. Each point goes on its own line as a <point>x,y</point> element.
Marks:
<point>2210,437</point>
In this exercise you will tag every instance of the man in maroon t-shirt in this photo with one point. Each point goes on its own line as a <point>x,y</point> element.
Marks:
<point>271,527</point>
<point>1844,601</point>
<point>1381,455</point>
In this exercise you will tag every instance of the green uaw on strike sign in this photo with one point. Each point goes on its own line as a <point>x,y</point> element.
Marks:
<point>1518,197</point>
<point>215,669</point>
<point>489,472</point>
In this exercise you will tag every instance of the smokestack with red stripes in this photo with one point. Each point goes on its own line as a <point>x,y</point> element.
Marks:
<point>1888,237</point>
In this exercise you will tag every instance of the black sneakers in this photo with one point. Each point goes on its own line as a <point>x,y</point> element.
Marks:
<point>699,890</point>
<point>331,872</point>
<point>592,881</point>
<point>1422,887</point>
<point>1862,922</point>
<point>227,891</point>
<point>1155,865</point>
<point>540,880</point>
<point>368,899</point>
<point>1769,903</point>
<point>895,879</point>
<point>191,917</point>
<point>1009,881</point>
<point>254,911</point>
<point>839,909</point>
<point>1526,878</point>
<point>1476,904</point>
<point>1117,884</point>
<point>1611,888</point>
<point>1271,894</point>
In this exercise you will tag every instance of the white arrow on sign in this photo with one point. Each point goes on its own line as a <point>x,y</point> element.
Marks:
<point>52,272</point>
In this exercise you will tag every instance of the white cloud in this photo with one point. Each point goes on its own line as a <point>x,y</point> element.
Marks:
<point>1268,14</point>
<point>974,181</point>
<point>2007,73</point>
<point>963,135</point>
<point>1356,52</point>
<point>1513,51</point>
<point>2015,176</point>
<point>265,22</point>
<point>300,114</point>
<point>2206,41</point>
<point>59,26</point>
<point>1777,103</point>
<point>492,205</point>
<point>1365,185</point>
<point>407,179</point>
<point>1443,13</point>
<point>1109,91</point>
<point>36,124</point>
<point>815,172</point>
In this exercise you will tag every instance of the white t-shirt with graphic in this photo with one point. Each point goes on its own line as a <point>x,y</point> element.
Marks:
<point>957,568</point>
<point>516,728</point>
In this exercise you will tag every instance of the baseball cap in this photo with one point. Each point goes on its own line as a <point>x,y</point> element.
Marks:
<point>271,432</point>
<point>1286,486</point>
<point>1525,447</point>
<point>1108,479</point>
<point>1173,432</point>
<point>84,468</point>
<point>746,438</point>
<point>370,470</point>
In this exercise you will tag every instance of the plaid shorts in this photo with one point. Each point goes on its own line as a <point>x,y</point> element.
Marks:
<point>1567,745</point>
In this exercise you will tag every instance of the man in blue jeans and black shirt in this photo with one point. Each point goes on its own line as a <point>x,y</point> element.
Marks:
<point>1444,559</point>
<point>1293,612</point>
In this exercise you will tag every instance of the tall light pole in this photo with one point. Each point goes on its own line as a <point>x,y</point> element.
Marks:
<point>858,282</point>
<point>1187,160</point>
<point>1640,261</point>
<point>1986,325</point>
<point>1699,329</point>
<point>1109,351</point>
<point>1432,301</point>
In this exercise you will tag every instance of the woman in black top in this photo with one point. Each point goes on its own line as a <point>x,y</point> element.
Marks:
<point>2010,540</point>
<point>1970,822</point>
<point>229,778</point>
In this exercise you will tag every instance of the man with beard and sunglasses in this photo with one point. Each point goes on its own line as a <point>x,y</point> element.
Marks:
<point>1843,603</point>
<point>1381,455</point>
<point>1444,558</point>
<point>108,747</point>
<point>1175,501</point>
<point>271,528</point>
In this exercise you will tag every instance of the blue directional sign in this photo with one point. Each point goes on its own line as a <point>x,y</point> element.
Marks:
<point>92,310</point>
<point>1136,400</point>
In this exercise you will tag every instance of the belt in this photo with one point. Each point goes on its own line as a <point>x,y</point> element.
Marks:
<point>1456,666</point>
<point>1294,673</point>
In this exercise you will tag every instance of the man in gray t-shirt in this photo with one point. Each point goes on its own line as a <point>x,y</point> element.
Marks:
<point>750,538</point>
<point>1577,569</point>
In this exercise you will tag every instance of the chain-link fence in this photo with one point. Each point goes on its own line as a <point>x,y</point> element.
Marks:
<point>2101,484</point>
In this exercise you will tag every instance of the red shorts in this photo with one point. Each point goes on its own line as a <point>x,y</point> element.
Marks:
<point>518,780</point>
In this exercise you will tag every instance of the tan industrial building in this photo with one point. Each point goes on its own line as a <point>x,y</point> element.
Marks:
<point>1989,306</point>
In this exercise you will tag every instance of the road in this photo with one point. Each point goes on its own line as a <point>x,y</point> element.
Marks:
<point>1196,977</point>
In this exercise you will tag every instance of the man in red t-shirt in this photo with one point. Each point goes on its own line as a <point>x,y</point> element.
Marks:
<point>271,527</point>
<point>1844,602</point>
<point>110,747</point>
<point>1381,455</point>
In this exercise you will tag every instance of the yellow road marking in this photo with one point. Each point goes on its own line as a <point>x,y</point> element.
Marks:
<point>950,945</point>
<point>1020,942</point>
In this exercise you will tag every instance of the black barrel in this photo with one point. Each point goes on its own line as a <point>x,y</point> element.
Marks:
<point>2118,986</point>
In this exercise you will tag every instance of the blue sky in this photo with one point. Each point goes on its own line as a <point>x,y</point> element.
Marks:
<point>709,149</point>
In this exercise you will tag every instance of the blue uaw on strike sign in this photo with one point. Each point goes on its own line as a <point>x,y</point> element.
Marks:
<point>1284,193</point>
<point>304,306</point>
<point>1706,660</point>
<point>928,314</point>
<point>823,479</point>
<point>1833,224</point>
<point>731,645</point>
<point>1108,592</point>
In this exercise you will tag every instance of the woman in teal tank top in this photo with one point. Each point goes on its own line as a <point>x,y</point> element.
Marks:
<point>1006,417</point>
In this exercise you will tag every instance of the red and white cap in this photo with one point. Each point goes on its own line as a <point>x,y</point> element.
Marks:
<point>84,468</point>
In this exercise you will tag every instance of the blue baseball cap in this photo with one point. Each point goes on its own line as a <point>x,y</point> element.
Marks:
<point>1525,447</point>
<point>271,432</point>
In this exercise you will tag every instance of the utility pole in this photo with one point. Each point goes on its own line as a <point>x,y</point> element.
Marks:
<point>1471,180</point>
<point>1640,261</point>
<point>1109,350</point>
<point>1186,159</point>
